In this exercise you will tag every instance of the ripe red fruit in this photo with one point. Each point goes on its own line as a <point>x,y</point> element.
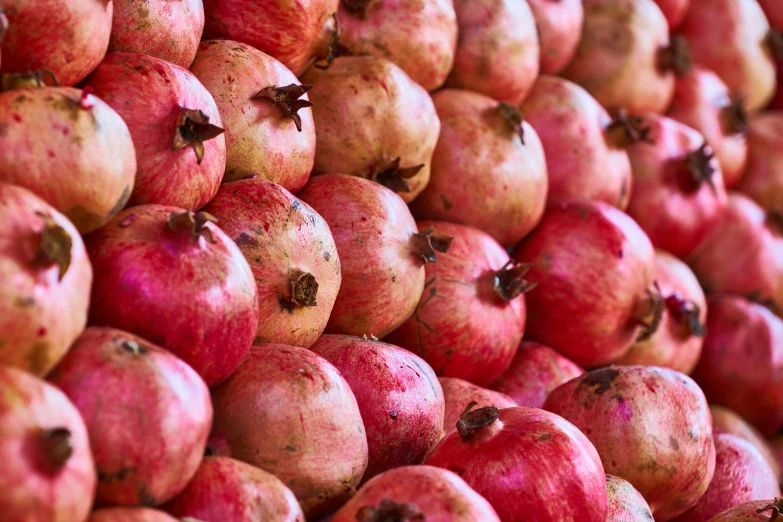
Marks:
<point>180,282</point>
<point>127,514</point>
<point>47,278</point>
<point>773,11</point>
<point>757,510</point>
<point>3,28</point>
<point>625,503</point>
<point>488,169</point>
<point>615,407</point>
<point>763,178</point>
<point>559,30</point>
<point>726,421</point>
<point>168,114</point>
<point>459,394</point>
<point>674,11</point>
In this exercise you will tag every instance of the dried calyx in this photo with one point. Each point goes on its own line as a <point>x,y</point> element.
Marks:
<point>334,48</point>
<point>358,7</point>
<point>194,223</point>
<point>391,176</point>
<point>698,169</point>
<point>56,447</point>
<point>425,244</point>
<point>28,80</point>
<point>686,314</point>
<point>776,508</point>
<point>304,290</point>
<point>774,42</point>
<point>193,129</point>
<point>625,130</point>
<point>287,100</point>
<point>54,246</point>
<point>509,282</point>
<point>676,57</point>
<point>390,511</point>
<point>513,118</point>
<point>470,420</point>
<point>734,117</point>
<point>649,312</point>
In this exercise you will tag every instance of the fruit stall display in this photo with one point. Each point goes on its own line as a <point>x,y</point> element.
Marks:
<point>391,260</point>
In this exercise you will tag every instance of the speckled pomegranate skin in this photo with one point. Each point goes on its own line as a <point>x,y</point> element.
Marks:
<point>745,512</point>
<point>459,393</point>
<point>559,30</point>
<point>727,421</point>
<point>130,514</point>
<point>763,178</point>
<point>625,503</point>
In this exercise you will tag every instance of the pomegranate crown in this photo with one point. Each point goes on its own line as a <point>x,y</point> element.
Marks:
<point>700,167</point>
<point>28,80</point>
<point>774,41</point>
<point>394,177</point>
<point>625,129</point>
<point>56,447</point>
<point>54,246</point>
<point>513,118</point>
<point>509,282</point>
<point>649,312</point>
<point>303,288</point>
<point>287,100</point>
<point>734,117</point>
<point>676,57</point>
<point>193,129</point>
<point>776,507</point>
<point>195,223</point>
<point>334,48</point>
<point>425,244</point>
<point>390,511</point>
<point>471,420</point>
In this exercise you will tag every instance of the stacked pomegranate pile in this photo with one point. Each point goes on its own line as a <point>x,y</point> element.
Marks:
<point>391,261</point>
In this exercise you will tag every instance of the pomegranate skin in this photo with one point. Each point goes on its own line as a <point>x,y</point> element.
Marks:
<point>42,312</point>
<point>126,514</point>
<point>763,178</point>
<point>594,266</point>
<point>726,421</point>
<point>617,406</point>
<point>773,10</point>
<point>625,503</point>
<point>559,29</point>
<point>438,494</point>
<point>459,393</point>
<point>283,240</point>
<point>67,37</point>
<point>175,288</point>
<point>749,511</point>
<point>150,95</point>
<point>54,132</point>
<point>170,31</point>
<point>227,489</point>
<point>288,411</point>
<point>534,373</point>
<point>484,172</point>
<point>401,428</point>
<point>674,11</point>
<point>49,474</point>
<point>260,140</point>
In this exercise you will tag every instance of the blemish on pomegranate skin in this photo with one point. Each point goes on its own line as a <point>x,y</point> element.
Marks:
<point>621,254</point>
<point>393,415</point>
<point>41,331</point>
<point>17,118</point>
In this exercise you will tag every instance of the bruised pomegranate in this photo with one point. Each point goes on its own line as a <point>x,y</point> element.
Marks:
<point>174,278</point>
<point>488,170</point>
<point>373,121</point>
<point>459,394</point>
<point>674,11</point>
<point>559,30</point>
<point>617,406</point>
<point>46,282</point>
<point>726,421</point>
<point>48,471</point>
<point>757,510</point>
<point>126,514</point>
<point>763,178</point>
<point>288,411</point>
<point>625,503</point>
<point>382,253</point>
<point>260,102</point>
<point>175,125</point>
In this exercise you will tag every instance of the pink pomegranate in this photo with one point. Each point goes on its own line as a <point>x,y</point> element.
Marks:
<point>48,473</point>
<point>176,279</point>
<point>175,125</point>
<point>757,510</point>
<point>534,373</point>
<point>498,51</point>
<point>594,267</point>
<point>126,514</point>
<point>726,421</point>
<point>288,411</point>
<point>269,126</point>
<point>373,121</point>
<point>488,170</point>
<point>763,178</point>
<point>702,101</point>
<point>417,493</point>
<point>381,251</point>
<point>583,144</point>
<point>459,394</point>
<point>47,278</point>
<point>420,37</point>
<point>616,407</point>
<point>625,503</point>
<point>67,37</point>
<point>167,30</point>
<point>471,316</point>
<point>500,452</point>
<point>674,11</point>
<point>230,490</point>
<point>559,25</point>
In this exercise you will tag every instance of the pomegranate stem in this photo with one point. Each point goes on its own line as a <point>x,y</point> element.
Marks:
<point>472,420</point>
<point>425,245</point>
<point>509,282</point>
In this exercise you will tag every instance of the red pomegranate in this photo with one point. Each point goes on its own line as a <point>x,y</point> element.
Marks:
<point>678,341</point>
<point>416,493</point>
<point>763,178</point>
<point>381,251</point>
<point>726,421</point>
<point>225,489</point>
<point>48,471</point>
<point>176,279</point>
<point>126,514</point>
<point>773,11</point>
<point>757,510</point>
<point>289,411</point>
<point>260,102</point>
<point>559,25</point>
<point>67,37</point>
<point>168,113</point>
<point>534,373</point>
<point>488,170</point>
<point>616,407</point>
<point>583,144</point>
<point>498,51</point>
<point>500,452</point>
<point>170,31</point>
<point>373,121</point>
<point>625,503</point>
<point>459,394</point>
<point>3,28</point>
<point>594,266</point>
<point>420,37</point>
<point>674,11</point>
<point>47,278</point>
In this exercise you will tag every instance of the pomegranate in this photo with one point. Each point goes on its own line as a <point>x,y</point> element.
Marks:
<point>230,490</point>
<point>763,178</point>
<point>174,278</point>
<point>125,514</point>
<point>775,444</point>
<point>625,503</point>
<point>168,113</point>
<point>3,28</point>
<point>773,11</point>
<point>498,51</point>
<point>674,11</point>
<point>617,406</point>
<point>420,37</point>
<point>678,341</point>
<point>594,266</point>
<point>726,421</point>
<point>559,25</point>
<point>500,452</point>
<point>488,170</point>
<point>289,411</point>
<point>417,493</point>
<point>471,316</point>
<point>459,394</point>
<point>67,37</point>
<point>167,30</point>
<point>48,471</point>
<point>534,373</point>
<point>373,121</point>
<point>758,510</point>
<point>46,282</point>
<point>260,102</point>
<point>702,101</point>
<point>382,254</point>
<point>740,366</point>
